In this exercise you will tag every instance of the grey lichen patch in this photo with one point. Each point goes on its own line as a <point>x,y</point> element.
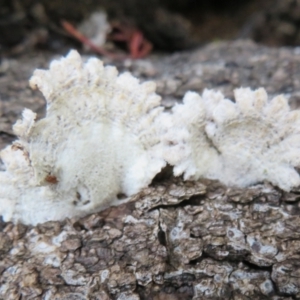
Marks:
<point>200,240</point>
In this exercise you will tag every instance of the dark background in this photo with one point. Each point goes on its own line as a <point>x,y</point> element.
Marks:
<point>169,25</point>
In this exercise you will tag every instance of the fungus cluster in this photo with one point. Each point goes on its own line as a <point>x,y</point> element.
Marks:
<point>106,134</point>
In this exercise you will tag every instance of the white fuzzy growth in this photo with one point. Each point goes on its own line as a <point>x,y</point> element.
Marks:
<point>242,143</point>
<point>100,137</point>
<point>187,147</point>
<point>105,134</point>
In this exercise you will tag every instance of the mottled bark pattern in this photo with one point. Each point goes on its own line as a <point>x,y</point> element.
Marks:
<point>175,240</point>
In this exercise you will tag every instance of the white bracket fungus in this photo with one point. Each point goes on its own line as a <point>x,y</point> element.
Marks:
<point>106,134</point>
<point>99,139</point>
<point>241,143</point>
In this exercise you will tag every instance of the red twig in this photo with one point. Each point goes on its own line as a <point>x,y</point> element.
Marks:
<point>139,47</point>
<point>137,44</point>
<point>84,40</point>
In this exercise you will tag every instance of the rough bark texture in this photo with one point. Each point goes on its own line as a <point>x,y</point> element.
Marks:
<point>178,240</point>
<point>175,240</point>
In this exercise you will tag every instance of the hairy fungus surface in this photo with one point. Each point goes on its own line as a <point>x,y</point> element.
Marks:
<point>99,139</point>
<point>106,134</point>
<point>240,143</point>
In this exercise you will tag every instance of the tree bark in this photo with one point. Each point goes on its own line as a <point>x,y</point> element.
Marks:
<point>176,240</point>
